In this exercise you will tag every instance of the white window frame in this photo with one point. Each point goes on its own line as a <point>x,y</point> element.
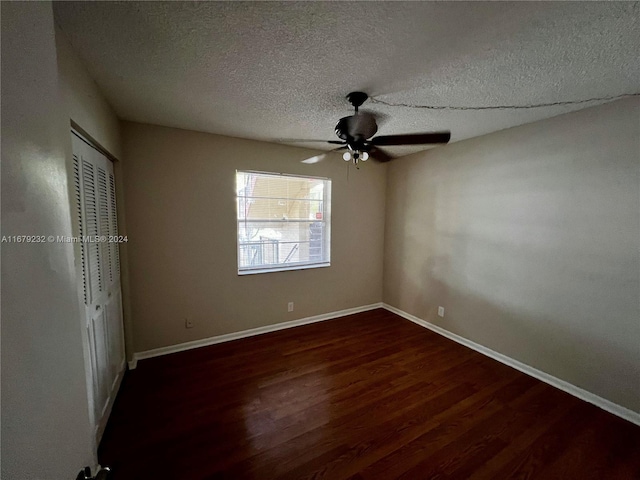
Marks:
<point>326,219</point>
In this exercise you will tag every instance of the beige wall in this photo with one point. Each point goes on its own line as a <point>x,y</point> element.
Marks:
<point>84,102</point>
<point>180,190</point>
<point>46,432</point>
<point>529,238</point>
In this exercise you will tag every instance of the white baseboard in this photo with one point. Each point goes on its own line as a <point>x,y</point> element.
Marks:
<point>156,352</point>
<point>604,404</point>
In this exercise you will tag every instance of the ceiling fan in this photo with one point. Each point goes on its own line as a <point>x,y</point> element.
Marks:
<point>356,131</point>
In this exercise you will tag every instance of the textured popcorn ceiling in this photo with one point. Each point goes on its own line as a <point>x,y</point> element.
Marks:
<point>268,70</point>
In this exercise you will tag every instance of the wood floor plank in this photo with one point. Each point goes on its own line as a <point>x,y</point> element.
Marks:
<point>364,397</point>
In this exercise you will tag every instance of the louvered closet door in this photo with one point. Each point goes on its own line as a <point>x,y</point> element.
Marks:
<point>95,198</point>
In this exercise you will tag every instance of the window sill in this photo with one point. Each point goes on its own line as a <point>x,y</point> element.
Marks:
<point>283,269</point>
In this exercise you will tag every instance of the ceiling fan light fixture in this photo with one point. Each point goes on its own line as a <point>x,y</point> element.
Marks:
<point>346,156</point>
<point>364,157</point>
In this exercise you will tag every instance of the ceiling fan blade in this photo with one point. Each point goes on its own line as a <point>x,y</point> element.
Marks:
<point>306,140</point>
<point>322,156</point>
<point>380,155</point>
<point>412,139</point>
<point>316,159</point>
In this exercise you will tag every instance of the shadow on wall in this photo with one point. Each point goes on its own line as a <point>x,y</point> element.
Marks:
<point>551,340</point>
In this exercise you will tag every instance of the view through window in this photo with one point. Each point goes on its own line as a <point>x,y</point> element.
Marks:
<point>283,222</point>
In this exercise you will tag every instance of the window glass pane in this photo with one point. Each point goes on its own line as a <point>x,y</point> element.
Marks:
<point>283,221</point>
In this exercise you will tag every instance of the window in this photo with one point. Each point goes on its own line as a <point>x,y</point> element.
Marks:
<point>283,222</point>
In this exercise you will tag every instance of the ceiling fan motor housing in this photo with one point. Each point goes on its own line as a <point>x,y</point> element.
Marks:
<point>356,129</point>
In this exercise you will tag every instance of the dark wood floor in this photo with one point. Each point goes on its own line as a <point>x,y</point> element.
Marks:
<point>369,396</point>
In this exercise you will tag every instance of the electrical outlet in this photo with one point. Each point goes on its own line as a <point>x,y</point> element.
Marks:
<point>188,323</point>
<point>290,307</point>
<point>441,311</point>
